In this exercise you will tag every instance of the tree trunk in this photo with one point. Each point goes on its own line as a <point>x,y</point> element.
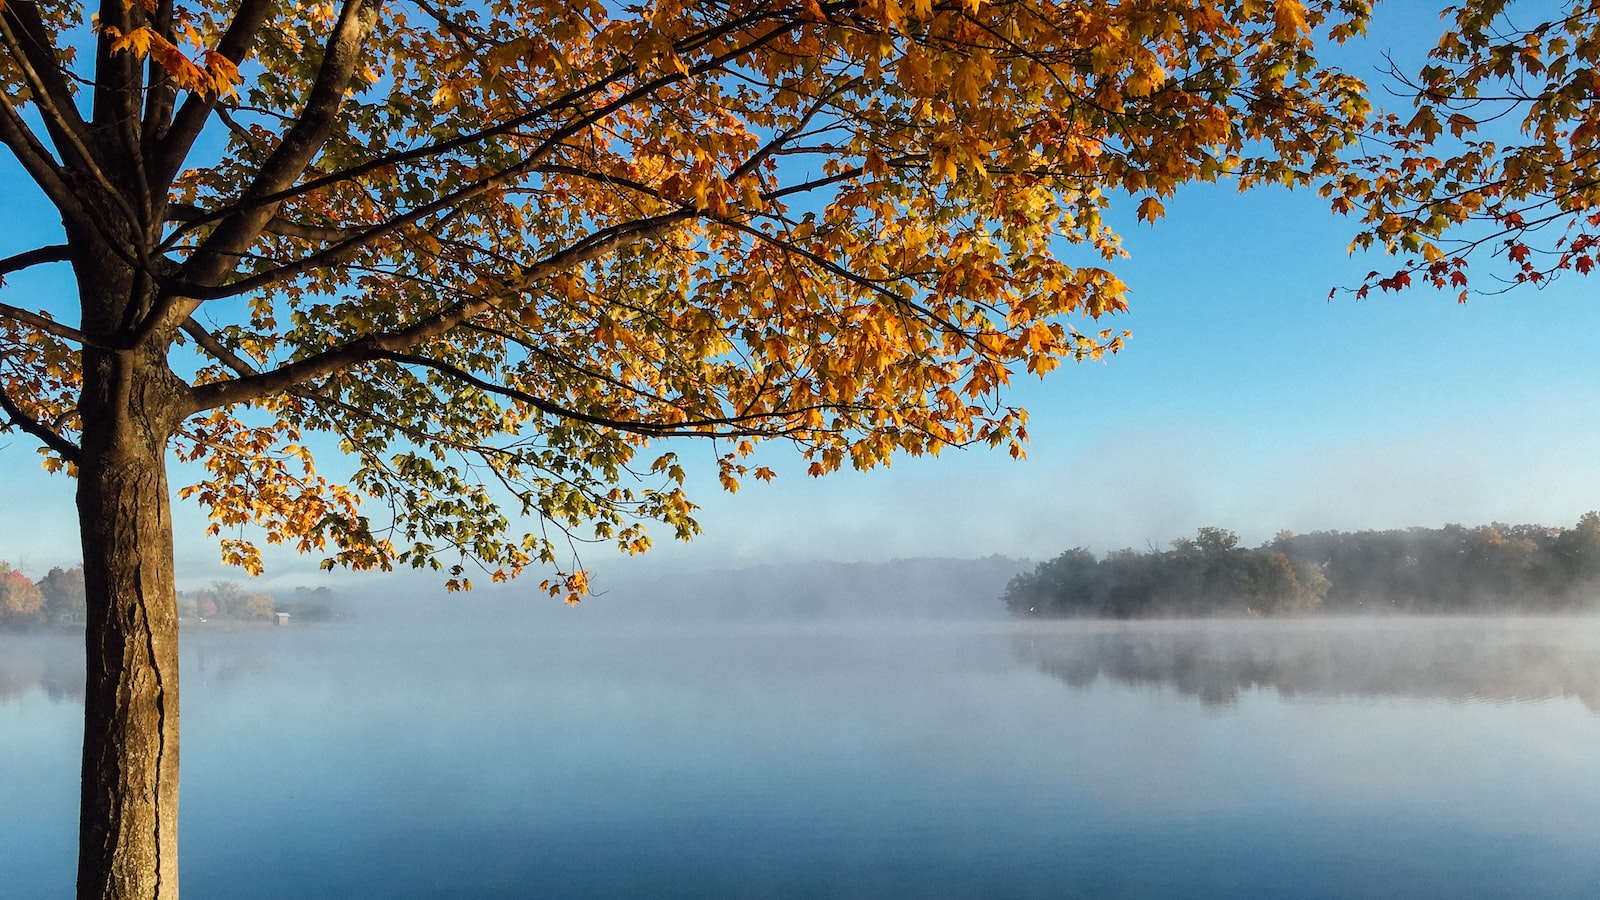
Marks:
<point>128,834</point>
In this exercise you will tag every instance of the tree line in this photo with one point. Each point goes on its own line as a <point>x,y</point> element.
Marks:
<point>1453,569</point>
<point>59,598</point>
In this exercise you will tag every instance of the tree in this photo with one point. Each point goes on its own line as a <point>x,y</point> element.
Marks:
<point>63,594</point>
<point>20,598</point>
<point>1208,575</point>
<point>1280,585</point>
<point>492,251</point>
<point>228,600</point>
<point>1577,551</point>
<point>1499,155</point>
<point>1067,584</point>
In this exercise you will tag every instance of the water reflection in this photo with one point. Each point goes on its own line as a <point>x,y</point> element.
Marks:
<point>1500,660</point>
<point>1488,660</point>
<point>515,757</point>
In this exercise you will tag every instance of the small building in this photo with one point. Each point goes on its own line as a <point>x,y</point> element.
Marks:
<point>283,618</point>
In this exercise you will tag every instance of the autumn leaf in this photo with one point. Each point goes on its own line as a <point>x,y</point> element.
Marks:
<point>1290,18</point>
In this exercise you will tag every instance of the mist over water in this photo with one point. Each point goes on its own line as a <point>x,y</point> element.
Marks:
<point>1476,659</point>
<point>434,747</point>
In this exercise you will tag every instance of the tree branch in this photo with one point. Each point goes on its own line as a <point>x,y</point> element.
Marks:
<point>695,427</point>
<point>166,156</point>
<point>310,131</point>
<point>37,256</point>
<point>188,212</point>
<point>568,100</point>
<point>373,346</point>
<point>40,165</point>
<point>161,89</point>
<point>33,54</point>
<point>118,81</point>
<point>562,363</point>
<point>460,31</point>
<point>200,291</point>
<point>209,343</point>
<point>64,448</point>
<point>28,40</point>
<point>46,325</point>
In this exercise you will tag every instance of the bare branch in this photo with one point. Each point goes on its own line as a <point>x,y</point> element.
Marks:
<point>28,41</point>
<point>37,256</point>
<point>33,54</point>
<point>40,165</point>
<point>209,343</point>
<point>459,30</point>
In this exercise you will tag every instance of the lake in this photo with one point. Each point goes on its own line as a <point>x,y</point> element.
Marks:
<point>554,756</point>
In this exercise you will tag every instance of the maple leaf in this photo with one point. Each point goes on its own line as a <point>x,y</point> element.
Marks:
<point>1290,18</point>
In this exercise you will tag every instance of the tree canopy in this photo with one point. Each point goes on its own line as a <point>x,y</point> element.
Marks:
<point>504,246</point>
<point>490,251</point>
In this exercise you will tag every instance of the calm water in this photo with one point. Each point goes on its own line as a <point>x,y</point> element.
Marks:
<point>1394,758</point>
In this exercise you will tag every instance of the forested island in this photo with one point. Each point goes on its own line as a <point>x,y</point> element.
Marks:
<point>1454,569</point>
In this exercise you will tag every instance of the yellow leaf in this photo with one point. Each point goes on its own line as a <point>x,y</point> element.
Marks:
<point>1289,19</point>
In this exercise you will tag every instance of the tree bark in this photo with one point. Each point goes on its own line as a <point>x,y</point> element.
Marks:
<point>128,836</point>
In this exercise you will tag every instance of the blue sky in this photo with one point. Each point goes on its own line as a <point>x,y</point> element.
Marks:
<point>1245,399</point>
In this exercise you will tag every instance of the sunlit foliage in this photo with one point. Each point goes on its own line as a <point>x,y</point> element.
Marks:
<point>1495,160</point>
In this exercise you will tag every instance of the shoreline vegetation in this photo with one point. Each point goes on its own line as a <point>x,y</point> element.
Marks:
<point>1494,568</point>
<point>58,601</point>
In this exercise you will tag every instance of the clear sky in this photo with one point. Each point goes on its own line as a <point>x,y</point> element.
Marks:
<point>1245,399</point>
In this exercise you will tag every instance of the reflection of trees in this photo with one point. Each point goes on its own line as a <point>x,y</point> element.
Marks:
<point>1480,659</point>
<point>52,663</point>
<point>227,658</point>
